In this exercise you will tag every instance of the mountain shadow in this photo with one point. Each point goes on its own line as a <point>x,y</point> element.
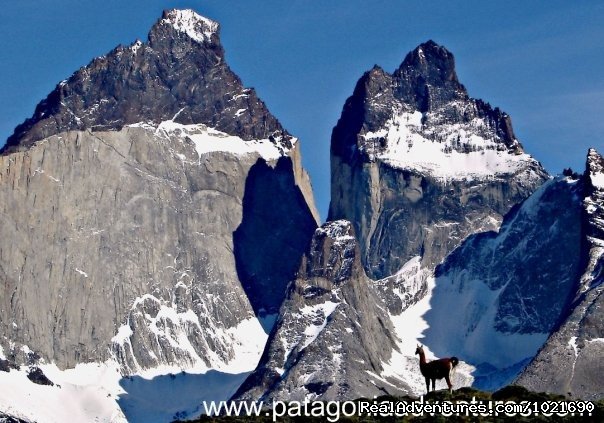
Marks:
<point>275,231</point>
<point>174,396</point>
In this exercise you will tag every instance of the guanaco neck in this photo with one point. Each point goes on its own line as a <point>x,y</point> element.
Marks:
<point>422,357</point>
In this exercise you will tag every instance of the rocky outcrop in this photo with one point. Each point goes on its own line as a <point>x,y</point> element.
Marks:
<point>37,376</point>
<point>570,362</point>
<point>418,165</point>
<point>130,207</point>
<point>332,333</point>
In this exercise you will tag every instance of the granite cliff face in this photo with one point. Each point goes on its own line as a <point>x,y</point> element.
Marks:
<point>132,204</point>
<point>570,362</point>
<point>418,165</point>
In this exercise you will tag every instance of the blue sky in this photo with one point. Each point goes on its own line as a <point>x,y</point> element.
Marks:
<point>541,62</point>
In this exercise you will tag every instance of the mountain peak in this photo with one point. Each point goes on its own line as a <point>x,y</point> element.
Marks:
<point>179,74</point>
<point>595,168</point>
<point>189,22</point>
<point>432,61</point>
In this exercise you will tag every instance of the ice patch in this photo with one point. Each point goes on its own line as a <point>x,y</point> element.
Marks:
<point>572,343</point>
<point>81,272</point>
<point>208,140</point>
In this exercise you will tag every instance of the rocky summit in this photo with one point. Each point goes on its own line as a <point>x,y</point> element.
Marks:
<point>414,141</point>
<point>332,334</point>
<point>178,74</point>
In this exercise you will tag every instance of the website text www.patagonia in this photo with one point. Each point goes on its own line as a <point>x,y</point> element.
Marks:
<point>333,411</point>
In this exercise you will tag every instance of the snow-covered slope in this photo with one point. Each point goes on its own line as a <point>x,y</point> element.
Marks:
<point>498,297</point>
<point>162,337</point>
<point>208,140</point>
<point>433,146</point>
<point>403,367</point>
<point>97,392</point>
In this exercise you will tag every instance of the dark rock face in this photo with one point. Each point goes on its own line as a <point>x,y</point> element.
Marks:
<point>7,365</point>
<point>571,359</point>
<point>418,165</point>
<point>37,376</point>
<point>332,334</point>
<point>539,240</point>
<point>179,73</point>
<point>5,418</point>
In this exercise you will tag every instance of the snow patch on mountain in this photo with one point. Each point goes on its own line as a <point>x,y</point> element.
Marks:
<point>595,168</point>
<point>198,27</point>
<point>408,285</point>
<point>449,151</point>
<point>313,318</point>
<point>86,393</point>
<point>597,180</point>
<point>410,326</point>
<point>338,230</point>
<point>207,140</point>
<point>181,333</point>
<point>320,311</point>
